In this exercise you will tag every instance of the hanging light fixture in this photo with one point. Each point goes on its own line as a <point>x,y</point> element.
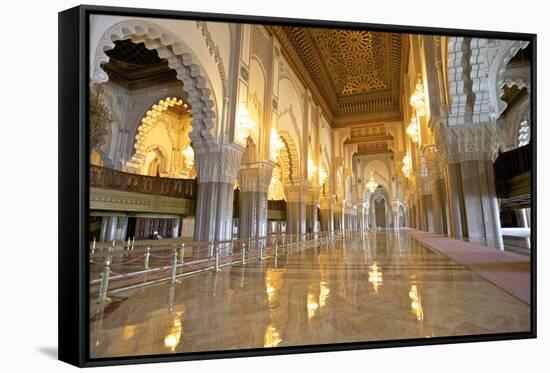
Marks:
<point>245,124</point>
<point>275,144</point>
<point>189,156</point>
<point>372,184</point>
<point>323,176</point>
<point>407,165</point>
<point>418,99</point>
<point>413,129</point>
<point>311,168</point>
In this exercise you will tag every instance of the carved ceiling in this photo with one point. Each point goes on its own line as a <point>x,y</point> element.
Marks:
<point>356,74</point>
<point>134,66</point>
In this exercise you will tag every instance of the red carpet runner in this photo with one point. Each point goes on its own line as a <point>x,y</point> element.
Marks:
<point>509,271</point>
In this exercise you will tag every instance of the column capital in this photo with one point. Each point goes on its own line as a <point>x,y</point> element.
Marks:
<point>256,176</point>
<point>296,192</point>
<point>434,162</point>
<point>471,142</point>
<point>219,165</point>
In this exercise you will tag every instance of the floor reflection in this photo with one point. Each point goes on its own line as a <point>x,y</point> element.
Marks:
<point>378,286</point>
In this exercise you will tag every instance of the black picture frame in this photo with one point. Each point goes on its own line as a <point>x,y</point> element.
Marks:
<point>73,166</point>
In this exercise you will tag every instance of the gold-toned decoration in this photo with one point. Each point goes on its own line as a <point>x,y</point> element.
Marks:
<point>407,165</point>
<point>189,156</point>
<point>311,168</point>
<point>418,99</point>
<point>275,144</point>
<point>413,129</point>
<point>100,117</point>
<point>372,184</point>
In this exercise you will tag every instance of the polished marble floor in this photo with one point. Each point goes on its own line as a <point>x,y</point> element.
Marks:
<point>381,286</point>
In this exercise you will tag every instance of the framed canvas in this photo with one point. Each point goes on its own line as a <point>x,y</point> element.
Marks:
<point>233,186</point>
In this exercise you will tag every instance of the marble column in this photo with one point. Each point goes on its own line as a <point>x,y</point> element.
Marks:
<point>326,214</point>
<point>109,225</point>
<point>455,202</point>
<point>337,216</point>
<point>254,179</point>
<point>434,164</point>
<point>521,217</point>
<point>296,208</point>
<point>311,209</point>
<point>480,201</point>
<point>216,173</point>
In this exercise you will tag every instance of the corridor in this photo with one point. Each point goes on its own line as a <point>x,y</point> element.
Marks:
<point>380,285</point>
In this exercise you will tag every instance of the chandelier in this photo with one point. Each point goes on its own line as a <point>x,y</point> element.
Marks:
<point>276,144</point>
<point>245,124</point>
<point>189,156</point>
<point>372,184</point>
<point>323,176</point>
<point>413,129</point>
<point>418,99</point>
<point>407,165</point>
<point>311,168</point>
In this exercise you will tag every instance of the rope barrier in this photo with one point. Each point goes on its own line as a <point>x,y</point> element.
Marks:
<point>257,249</point>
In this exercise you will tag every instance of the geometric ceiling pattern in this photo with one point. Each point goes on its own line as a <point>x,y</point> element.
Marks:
<point>356,74</point>
<point>134,66</point>
<point>355,59</point>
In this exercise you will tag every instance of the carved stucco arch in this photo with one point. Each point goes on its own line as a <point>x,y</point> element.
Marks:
<point>507,49</point>
<point>289,158</point>
<point>163,157</point>
<point>180,58</point>
<point>147,123</point>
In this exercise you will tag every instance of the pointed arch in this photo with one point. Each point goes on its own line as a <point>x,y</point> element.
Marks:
<point>180,58</point>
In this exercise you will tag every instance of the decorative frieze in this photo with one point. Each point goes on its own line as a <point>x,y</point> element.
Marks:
<point>115,200</point>
<point>214,51</point>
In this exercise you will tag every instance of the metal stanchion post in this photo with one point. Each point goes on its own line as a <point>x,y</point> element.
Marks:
<point>104,283</point>
<point>261,249</point>
<point>93,246</point>
<point>243,254</point>
<point>147,255</point>
<point>174,266</point>
<point>182,253</point>
<point>275,248</point>
<point>217,258</point>
<point>114,246</point>
<point>133,242</point>
<point>211,251</point>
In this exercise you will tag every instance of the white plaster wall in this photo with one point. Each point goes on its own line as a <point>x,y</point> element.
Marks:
<point>256,89</point>
<point>289,96</point>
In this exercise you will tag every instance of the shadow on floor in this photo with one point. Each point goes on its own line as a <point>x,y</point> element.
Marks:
<point>50,352</point>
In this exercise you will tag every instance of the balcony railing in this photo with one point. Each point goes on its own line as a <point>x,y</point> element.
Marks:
<point>108,178</point>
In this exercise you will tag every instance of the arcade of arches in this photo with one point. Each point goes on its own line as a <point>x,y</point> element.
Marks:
<point>213,131</point>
